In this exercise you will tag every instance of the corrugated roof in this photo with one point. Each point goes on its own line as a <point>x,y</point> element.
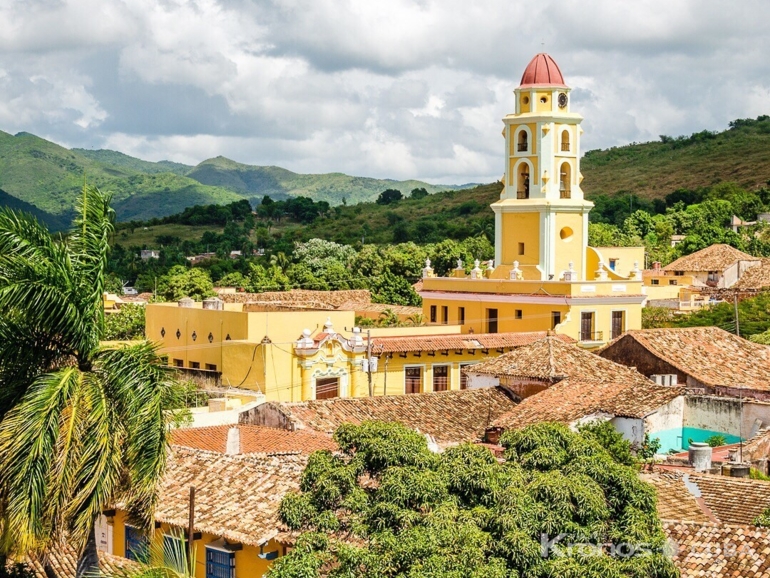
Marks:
<point>236,497</point>
<point>448,416</point>
<point>709,354</point>
<point>719,551</point>
<point>253,439</point>
<point>457,341</point>
<point>713,258</point>
<point>550,359</point>
<point>573,399</point>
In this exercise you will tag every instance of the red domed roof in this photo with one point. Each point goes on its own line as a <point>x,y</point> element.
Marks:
<point>542,70</point>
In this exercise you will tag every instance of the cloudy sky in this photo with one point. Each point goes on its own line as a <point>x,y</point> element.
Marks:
<point>391,88</point>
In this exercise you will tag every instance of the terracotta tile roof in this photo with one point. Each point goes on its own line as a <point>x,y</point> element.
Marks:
<point>733,500</point>
<point>63,561</point>
<point>573,399</point>
<point>236,497</point>
<point>675,501</point>
<point>253,439</point>
<point>719,551</point>
<point>551,359</point>
<point>756,277</point>
<point>457,341</point>
<point>448,416</point>
<point>722,499</point>
<point>713,258</point>
<point>710,355</point>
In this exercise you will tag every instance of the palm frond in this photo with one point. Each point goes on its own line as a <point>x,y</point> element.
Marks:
<point>141,389</point>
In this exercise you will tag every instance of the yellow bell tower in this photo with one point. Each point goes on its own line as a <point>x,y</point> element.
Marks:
<point>541,219</point>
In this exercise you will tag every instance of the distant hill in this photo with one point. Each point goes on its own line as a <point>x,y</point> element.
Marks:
<point>652,170</point>
<point>254,182</point>
<point>48,177</point>
<point>56,223</point>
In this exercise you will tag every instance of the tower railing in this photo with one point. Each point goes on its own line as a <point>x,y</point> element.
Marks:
<point>522,147</point>
<point>522,194</point>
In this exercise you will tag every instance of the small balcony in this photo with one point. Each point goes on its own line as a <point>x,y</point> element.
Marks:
<point>565,194</point>
<point>522,194</point>
<point>565,147</point>
<point>522,147</point>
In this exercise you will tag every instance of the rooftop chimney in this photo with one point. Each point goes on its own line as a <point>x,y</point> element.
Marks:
<point>233,441</point>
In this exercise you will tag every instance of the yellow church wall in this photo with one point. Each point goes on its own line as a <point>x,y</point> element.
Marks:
<point>569,241</point>
<point>524,288</point>
<point>521,228</point>
<point>546,106</point>
<point>525,104</point>
<point>247,560</point>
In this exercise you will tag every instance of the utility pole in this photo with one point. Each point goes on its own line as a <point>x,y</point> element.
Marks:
<point>737,321</point>
<point>191,531</point>
<point>369,360</point>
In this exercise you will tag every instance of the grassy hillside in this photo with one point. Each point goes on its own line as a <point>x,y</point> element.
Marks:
<point>740,154</point>
<point>254,182</point>
<point>56,223</point>
<point>118,159</point>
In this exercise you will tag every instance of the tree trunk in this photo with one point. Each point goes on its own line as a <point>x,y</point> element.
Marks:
<point>88,564</point>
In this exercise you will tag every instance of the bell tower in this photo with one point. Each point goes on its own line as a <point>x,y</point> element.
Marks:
<point>541,219</point>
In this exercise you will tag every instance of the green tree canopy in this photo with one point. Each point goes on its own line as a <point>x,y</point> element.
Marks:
<point>389,507</point>
<point>183,282</point>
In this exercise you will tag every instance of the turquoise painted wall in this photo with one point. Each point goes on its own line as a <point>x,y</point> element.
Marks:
<point>677,438</point>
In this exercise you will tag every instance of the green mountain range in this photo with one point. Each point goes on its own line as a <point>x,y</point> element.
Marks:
<point>47,177</point>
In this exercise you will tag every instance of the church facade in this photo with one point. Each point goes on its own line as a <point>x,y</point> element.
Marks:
<point>544,275</point>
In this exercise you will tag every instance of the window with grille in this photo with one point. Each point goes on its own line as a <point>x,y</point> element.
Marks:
<point>555,319</point>
<point>195,365</point>
<point>211,367</point>
<point>440,377</point>
<point>413,379</point>
<point>220,564</point>
<point>327,388</point>
<point>432,313</point>
<point>444,314</point>
<point>461,315</point>
<point>618,323</point>
<point>136,545</point>
<point>179,363</point>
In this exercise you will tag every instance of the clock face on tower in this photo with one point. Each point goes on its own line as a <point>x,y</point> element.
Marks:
<point>562,99</point>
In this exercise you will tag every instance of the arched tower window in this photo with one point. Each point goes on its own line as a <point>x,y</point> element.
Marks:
<point>565,180</point>
<point>522,191</point>
<point>523,145</point>
<point>565,140</point>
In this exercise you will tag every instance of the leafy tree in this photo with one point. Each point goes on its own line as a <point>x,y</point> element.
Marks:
<point>716,440</point>
<point>649,450</point>
<point>389,507</point>
<point>263,279</point>
<point>182,282</point>
<point>126,323</point>
<point>82,425</point>
<point>419,193</point>
<point>605,434</point>
<point>235,279</point>
<point>393,289</point>
<point>389,197</point>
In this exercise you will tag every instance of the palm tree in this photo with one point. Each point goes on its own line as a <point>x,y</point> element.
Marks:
<point>388,318</point>
<point>82,426</point>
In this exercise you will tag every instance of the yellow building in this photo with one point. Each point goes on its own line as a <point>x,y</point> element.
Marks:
<point>311,354</point>
<point>544,276</point>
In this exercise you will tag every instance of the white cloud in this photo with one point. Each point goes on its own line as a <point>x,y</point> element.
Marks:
<point>386,88</point>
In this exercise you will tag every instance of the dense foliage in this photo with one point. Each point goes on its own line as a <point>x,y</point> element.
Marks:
<point>82,424</point>
<point>753,315</point>
<point>125,324</point>
<point>388,507</point>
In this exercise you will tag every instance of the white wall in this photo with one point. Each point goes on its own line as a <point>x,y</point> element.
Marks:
<point>205,418</point>
<point>631,428</point>
<point>476,381</point>
<point>667,417</point>
<point>725,414</point>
